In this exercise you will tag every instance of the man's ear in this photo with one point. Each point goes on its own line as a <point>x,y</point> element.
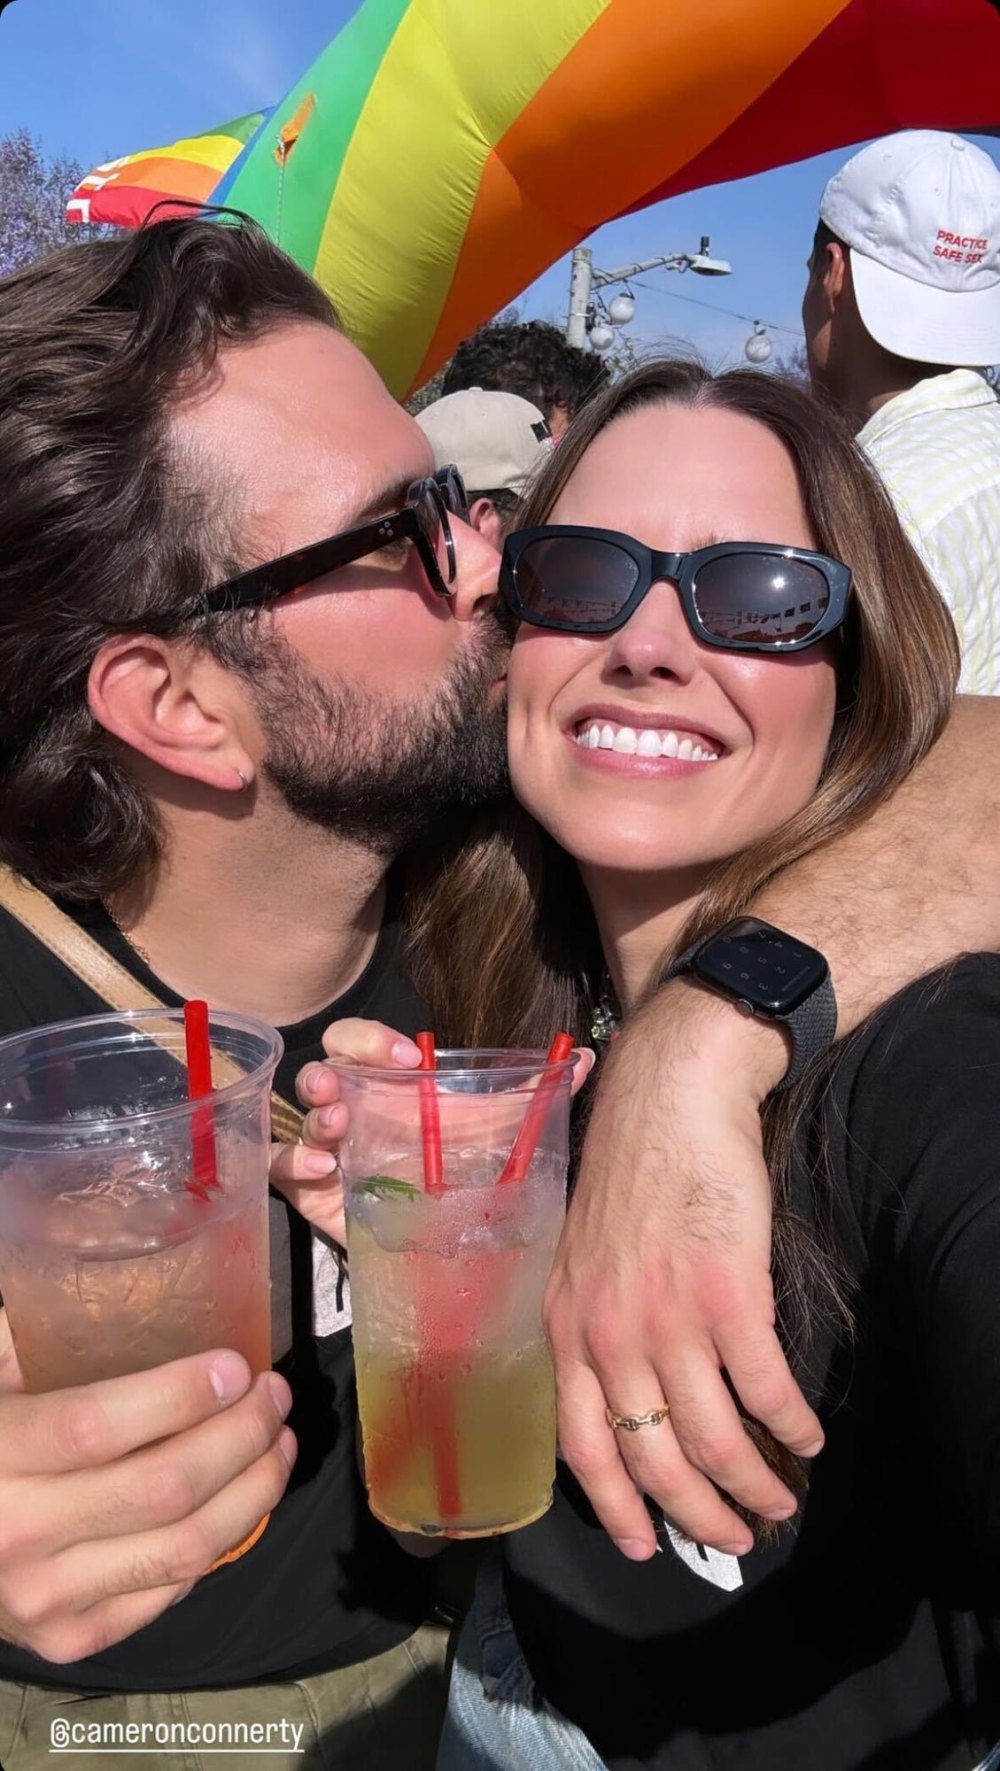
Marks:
<point>486,520</point>
<point>836,274</point>
<point>174,704</point>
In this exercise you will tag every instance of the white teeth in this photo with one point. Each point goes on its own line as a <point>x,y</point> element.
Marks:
<point>626,742</point>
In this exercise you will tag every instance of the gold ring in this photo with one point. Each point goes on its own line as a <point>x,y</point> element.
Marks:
<point>632,1422</point>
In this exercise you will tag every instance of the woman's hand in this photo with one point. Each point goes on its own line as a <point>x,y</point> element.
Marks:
<point>308,1173</point>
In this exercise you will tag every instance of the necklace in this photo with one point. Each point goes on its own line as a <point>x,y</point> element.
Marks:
<point>141,951</point>
<point>606,1016</point>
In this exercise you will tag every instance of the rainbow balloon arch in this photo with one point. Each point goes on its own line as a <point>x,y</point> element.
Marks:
<point>440,154</point>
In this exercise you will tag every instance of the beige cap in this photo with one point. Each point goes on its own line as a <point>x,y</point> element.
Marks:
<point>495,440</point>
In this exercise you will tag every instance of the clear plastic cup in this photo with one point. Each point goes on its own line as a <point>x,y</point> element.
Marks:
<point>455,1383</point>
<point>114,1256</point>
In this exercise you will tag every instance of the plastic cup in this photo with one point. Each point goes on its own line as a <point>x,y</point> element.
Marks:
<point>114,1258</point>
<point>455,1383</point>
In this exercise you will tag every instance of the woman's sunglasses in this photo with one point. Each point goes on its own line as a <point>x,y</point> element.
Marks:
<point>744,596</point>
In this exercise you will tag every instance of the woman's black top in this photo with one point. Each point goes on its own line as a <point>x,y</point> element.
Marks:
<point>866,1637</point>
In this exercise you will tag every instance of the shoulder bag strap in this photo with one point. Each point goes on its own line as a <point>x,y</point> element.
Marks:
<point>112,982</point>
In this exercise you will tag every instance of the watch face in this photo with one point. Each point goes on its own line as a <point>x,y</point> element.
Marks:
<point>762,965</point>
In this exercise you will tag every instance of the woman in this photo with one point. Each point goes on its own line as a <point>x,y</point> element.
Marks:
<point>698,695</point>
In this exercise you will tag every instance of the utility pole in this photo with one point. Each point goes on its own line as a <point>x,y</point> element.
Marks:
<point>580,284</point>
<point>584,280</point>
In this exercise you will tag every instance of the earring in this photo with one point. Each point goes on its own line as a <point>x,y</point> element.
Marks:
<point>244,783</point>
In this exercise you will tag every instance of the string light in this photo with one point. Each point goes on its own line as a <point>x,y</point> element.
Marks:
<point>714,308</point>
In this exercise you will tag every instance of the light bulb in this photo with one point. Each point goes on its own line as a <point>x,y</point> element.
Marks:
<point>621,309</point>
<point>758,346</point>
<point>601,338</point>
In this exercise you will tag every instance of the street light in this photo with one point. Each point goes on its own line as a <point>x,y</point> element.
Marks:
<point>621,309</point>
<point>758,346</point>
<point>584,280</point>
<point>601,337</point>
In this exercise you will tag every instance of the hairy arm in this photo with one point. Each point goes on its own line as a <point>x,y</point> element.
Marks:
<point>916,884</point>
<point>662,1281</point>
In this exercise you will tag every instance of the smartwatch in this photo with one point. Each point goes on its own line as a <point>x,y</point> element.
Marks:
<point>766,972</point>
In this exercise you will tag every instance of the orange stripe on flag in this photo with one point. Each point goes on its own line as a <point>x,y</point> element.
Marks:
<point>713,61</point>
<point>182,178</point>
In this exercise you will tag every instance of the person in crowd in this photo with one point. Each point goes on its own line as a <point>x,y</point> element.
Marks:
<point>901,312</point>
<point>497,441</point>
<point>530,358</point>
<point>704,687</point>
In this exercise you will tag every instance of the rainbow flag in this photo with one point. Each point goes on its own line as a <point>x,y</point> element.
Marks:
<point>439,154</point>
<point>125,191</point>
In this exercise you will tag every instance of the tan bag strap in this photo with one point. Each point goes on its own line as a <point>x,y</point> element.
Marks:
<point>112,982</point>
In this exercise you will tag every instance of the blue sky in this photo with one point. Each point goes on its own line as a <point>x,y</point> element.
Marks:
<point>95,78</point>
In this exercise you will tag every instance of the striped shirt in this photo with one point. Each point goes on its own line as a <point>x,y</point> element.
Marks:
<point>937,447</point>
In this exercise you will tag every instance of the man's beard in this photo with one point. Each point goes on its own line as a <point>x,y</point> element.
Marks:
<point>376,774</point>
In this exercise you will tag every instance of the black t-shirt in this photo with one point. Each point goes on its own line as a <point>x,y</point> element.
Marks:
<point>866,1638</point>
<point>325,1586</point>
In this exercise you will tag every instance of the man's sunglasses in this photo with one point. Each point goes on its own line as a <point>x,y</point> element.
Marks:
<point>744,596</point>
<point>423,520</point>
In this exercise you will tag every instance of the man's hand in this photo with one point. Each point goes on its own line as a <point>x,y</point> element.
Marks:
<point>662,1279</point>
<point>116,1497</point>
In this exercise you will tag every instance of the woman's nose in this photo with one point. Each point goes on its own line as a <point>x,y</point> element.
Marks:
<point>656,641</point>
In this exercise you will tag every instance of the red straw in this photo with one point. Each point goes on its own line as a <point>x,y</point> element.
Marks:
<point>437,1408</point>
<point>519,1161</point>
<point>430,1118</point>
<point>199,1072</point>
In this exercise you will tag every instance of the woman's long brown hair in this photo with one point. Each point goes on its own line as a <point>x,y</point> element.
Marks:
<point>503,939</point>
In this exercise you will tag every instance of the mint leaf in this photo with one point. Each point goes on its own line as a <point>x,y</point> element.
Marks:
<point>387,1188</point>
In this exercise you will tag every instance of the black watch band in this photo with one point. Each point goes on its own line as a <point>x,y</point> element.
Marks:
<point>772,974</point>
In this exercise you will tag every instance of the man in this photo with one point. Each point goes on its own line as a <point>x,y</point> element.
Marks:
<point>530,358</point>
<point>497,441</point>
<point>901,309</point>
<point>213,783</point>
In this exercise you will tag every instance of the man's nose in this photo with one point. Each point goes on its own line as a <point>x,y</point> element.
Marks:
<point>477,565</point>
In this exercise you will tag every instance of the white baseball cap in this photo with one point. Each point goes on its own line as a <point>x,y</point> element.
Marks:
<point>921,214</point>
<point>495,440</point>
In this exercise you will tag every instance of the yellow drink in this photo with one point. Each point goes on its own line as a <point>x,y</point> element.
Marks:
<point>455,1383</point>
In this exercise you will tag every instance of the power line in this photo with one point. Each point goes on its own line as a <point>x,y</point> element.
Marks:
<point>714,308</point>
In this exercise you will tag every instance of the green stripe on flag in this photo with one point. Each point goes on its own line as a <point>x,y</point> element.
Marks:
<point>293,205</point>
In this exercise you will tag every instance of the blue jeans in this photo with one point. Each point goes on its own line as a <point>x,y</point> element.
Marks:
<point>497,1719</point>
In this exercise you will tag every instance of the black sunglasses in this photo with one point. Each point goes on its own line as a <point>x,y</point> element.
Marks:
<point>744,596</point>
<point>423,520</point>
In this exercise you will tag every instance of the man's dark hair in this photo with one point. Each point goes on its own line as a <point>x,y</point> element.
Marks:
<point>103,529</point>
<point>530,358</point>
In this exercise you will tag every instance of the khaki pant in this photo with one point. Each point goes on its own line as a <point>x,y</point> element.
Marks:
<point>381,1715</point>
